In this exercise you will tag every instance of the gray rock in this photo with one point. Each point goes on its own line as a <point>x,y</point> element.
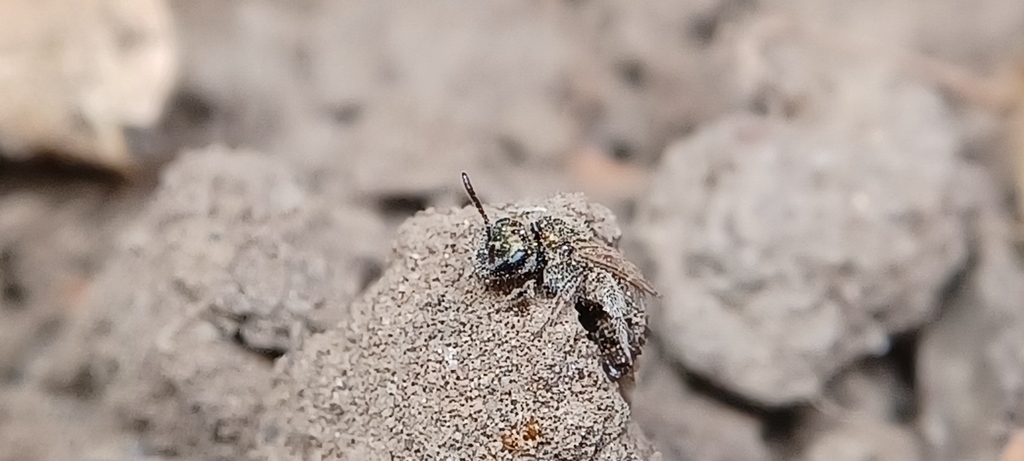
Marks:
<point>51,243</point>
<point>34,426</point>
<point>970,365</point>
<point>687,426</point>
<point>232,262</point>
<point>785,250</point>
<point>864,440</point>
<point>864,418</point>
<point>436,366</point>
<point>376,80</point>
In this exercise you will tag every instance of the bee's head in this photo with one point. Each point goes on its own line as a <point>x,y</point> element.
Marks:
<point>511,249</point>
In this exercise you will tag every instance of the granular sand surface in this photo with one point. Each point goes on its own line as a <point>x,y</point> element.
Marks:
<point>436,366</point>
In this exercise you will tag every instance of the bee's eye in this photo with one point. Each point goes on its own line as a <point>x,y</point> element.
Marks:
<point>517,258</point>
<point>511,262</point>
<point>509,251</point>
<point>510,256</point>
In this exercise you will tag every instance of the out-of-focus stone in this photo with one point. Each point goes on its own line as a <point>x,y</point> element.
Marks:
<point>375,79</point>
<point>686,426</point>
<point>863,418</point>
<point>50,244</point>
<point>865,440</point>
<point>231,264</point>
<point>36,427</point>
<point>787,249</point>
<point>437,366</point>
<point>73,74</point>
<point>970,364</point>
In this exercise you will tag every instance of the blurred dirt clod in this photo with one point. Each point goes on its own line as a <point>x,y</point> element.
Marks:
<point>866,421</point>
<point>437,366</point>
<point>970,363</point>
<point>75,73</point>
<point>232,264</point>
<point>787,251</point>
<point>49,244</point>
<point>863,441</point>
<point>687,426</point>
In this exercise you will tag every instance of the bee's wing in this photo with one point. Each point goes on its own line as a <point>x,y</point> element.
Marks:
<point>613,261</point>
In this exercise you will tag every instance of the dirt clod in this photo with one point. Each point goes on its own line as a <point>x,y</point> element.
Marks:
<point>232,263</point>
<point>787,251</point>
<point>435,365</point>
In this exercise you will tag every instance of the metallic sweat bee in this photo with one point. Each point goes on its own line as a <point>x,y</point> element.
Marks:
<point>572,266</point>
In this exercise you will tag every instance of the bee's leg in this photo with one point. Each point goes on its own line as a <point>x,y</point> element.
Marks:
<point>566,294</point>
<point>527,290</point>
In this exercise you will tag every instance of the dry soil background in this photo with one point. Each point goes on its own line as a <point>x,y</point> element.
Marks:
<point>823,192</point>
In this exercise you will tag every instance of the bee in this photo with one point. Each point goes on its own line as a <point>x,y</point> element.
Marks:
<point>572,266</point>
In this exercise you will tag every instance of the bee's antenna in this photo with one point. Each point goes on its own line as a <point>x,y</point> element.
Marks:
<point>476,201</point>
